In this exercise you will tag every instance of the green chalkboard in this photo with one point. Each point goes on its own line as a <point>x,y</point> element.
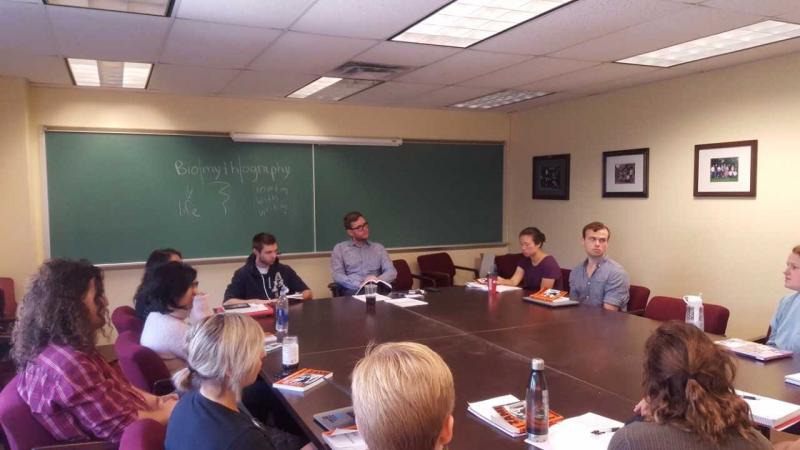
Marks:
<point>115,197</point>
<point>417,194</point>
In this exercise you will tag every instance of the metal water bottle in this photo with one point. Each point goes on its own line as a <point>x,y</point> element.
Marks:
<point>537,403</point>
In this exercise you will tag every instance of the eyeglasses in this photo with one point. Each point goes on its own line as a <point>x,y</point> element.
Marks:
<point>360,227</point>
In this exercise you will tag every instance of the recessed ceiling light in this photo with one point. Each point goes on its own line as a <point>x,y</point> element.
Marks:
<point>332,88</point>
<point>742,38</point>
<point>91,72</point>
<point>149,7</point>
<point>465,22</point>
<point>501,98</point>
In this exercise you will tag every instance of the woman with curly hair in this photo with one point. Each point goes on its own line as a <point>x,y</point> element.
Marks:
<point>69,387</point>
<point>166,296</point>
<point>689,401</point>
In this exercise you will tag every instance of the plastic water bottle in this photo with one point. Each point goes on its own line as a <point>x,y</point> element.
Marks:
<point>537,403</point>
<point>281,307</point>
<point>694,310</point>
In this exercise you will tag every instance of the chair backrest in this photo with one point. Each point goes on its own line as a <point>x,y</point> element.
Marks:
<point>507,264</point>
<point>143,434</point>
<point>404,281</point>
<point>565,279</point>
<point>125,319</point>
<point>22,430</point>
<point>140,365</point>
<point>638,298</point>
<point>671,308</point>
<point>9,301</point>
<point>438,263</point>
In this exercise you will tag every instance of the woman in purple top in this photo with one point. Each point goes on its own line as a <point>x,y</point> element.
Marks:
<point>537,269</point>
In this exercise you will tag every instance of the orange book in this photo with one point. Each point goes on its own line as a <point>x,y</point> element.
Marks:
<point>513,415</point>
<point>549,294</point>
<point>302,380</point>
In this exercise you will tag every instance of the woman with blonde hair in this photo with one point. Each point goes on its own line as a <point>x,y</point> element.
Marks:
<point>224,356</point>
<point>689,401</point>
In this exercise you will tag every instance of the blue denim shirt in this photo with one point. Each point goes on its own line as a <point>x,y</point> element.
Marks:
<point>785,333</point>
<point>352,263</point>
<point>608,284</point>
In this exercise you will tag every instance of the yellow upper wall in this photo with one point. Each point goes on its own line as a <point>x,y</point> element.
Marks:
<point>732,250</point>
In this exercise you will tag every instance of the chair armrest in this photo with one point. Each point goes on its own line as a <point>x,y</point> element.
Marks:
<point>334,288</point>
<point>163,387</point>
<point>438,276</point>
<point>470,269</point>
<point>92,445</point>
<point>636,312</point>
<point>424,278</point>
<point>759,339</point>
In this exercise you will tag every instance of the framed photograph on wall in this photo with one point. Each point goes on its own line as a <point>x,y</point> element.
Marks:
<point>726,169</point>
<point>551,177</point>
<point>626,173</point>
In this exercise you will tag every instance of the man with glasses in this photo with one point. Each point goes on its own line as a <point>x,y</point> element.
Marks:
<point>358,260</point>
<point>255,281</point>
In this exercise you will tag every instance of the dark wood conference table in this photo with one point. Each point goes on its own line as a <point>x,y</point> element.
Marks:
<point>593,357</point>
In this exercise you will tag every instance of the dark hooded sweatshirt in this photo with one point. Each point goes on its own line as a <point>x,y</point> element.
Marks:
<point>248,283</point>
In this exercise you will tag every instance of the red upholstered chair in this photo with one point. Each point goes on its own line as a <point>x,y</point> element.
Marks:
<point>125,319</point>
<point>638,299</point>
<point>507,264</point>
<point>671,308</point>
<point>565,279</point>
<point>9,301</point>
<point>23,431</point>
<point>440,267</point>
<point>405,279</point>
<point>141,365</point>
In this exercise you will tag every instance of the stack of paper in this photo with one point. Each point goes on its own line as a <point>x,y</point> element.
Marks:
<point>587,432</point>
<point>406,302</point>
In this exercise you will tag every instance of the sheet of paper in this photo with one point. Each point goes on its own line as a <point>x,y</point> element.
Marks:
<point>297,296</point>
<point>483,287</point>
<point>406,302</point>
<point>576,433</point>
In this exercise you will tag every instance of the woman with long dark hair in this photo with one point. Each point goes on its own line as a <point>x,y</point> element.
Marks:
<point>689,400</point>
<point>69,387</point>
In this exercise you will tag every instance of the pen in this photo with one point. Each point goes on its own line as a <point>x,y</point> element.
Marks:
<point>604,431</point>
<point>748,397</point>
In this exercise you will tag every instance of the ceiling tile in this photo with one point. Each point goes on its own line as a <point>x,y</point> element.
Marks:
<point>195,80</point>
<point>462,66</point>
<point>587,77</point>
<point>369,19</point>
<point>36,68</point>
<point>767,8</point>
<point>406,54</point>
<point>309,53</point>
<point>537,102</point>
<point>109,35</point>
<point>390,93</point>
<point>576,22</point>
<point>446,96</point>
<point>24,28</point>
<point>206,44</point>
<point>686,25</point>
<point>267,84</point>
<point>254,13</point>
<point>527,72</point>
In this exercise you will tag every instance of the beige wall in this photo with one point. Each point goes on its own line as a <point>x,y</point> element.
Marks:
<point>26,111</point>
<point>731,250</point>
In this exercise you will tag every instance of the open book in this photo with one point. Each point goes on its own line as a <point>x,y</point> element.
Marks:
<point>770,412</point>
<point>383,287</point>
<point>485,287</point>
<point>753,350</point>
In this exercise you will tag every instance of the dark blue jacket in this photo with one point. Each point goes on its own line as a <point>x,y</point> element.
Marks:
<point>248,283</point>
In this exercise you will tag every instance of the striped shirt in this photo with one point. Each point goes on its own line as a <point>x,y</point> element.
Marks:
<point>77,396</point>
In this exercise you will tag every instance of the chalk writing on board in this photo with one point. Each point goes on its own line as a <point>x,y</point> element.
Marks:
<point>223,192</point>
<point>185,206</point>
<point>233,169</point>
<point>271,199</point>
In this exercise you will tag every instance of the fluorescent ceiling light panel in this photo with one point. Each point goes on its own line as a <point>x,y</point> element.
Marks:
<point>743,38</point>
<point>332,88</point>
<point>90,72</point>
<point>501,98</point>
<point>465,22</point>
<point>150,7</point>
